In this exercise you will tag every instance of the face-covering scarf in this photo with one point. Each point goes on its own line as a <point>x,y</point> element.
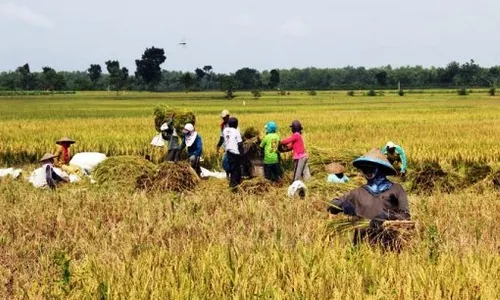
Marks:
<point>378,184</point>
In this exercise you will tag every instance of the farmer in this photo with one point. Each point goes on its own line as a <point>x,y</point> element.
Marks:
<point>225,115</point>
<point>270,143</point>
<point>46,176</point>
<point>234,151</point>
<point>192,140</point>
<point>63,156</point>
<point>396,156</point>
<point>301,168</point>
<point>170,135</point>
<point>336,173</point>
<point>378,200</point>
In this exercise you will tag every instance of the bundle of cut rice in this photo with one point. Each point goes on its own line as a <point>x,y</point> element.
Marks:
<point>180,118</point>
<point>122,170</point>
<point>170,176</point>
<point>255,186</point>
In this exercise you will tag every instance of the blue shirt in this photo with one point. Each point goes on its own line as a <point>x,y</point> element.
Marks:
<point>334,179</point>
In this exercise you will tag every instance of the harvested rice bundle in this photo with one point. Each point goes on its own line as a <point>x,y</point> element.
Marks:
<point>255,186</point>
<point>319,158</point>
<point>123,170</point>
<point>392,235</point>
<point>180,117</point>
<point>170,176</point>
<point>430,177</point>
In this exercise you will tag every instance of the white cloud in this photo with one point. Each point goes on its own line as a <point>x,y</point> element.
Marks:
<point>295,28</point>
<point>23,13</point>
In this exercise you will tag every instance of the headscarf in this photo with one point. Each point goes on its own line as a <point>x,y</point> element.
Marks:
<point>378,184</point>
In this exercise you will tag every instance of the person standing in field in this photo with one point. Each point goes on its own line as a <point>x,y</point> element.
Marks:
<point>63,156</point>
<point>301,168</point>
<point>378,200</point>
<point>270,143</point>
<point>225,115</point>
<point>234,151</point>
<point>170,135</point>
<point>192,140</point>
<point>396,156</point>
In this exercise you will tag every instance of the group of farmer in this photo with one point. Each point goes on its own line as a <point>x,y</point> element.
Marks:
<point>378,200</point>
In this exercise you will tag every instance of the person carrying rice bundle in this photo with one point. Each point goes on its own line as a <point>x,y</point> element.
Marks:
<point>192,140</point>
<point>46,175</point>
<point>336,173</point>
<point>396,156</point>
<point>378,200</point>
<point>270,143</point>
<point>169,134</point>
<point>301,168</point>
<point>63,156</point>
<point>234,151</point>
<point>225,115</point>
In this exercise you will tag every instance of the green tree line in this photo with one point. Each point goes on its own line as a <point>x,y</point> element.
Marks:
<point>150,76</point>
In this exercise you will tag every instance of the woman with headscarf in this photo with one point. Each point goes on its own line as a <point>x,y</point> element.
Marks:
<point>192,140</point>
<point>63,156</point>
<point>378,200</point>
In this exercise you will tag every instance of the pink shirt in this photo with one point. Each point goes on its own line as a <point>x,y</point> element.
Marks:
<point>298,148</point>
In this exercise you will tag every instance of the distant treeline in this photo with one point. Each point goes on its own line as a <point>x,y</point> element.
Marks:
<point>454,75</point>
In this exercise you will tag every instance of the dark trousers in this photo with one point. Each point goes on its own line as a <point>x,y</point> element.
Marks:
<point>272,172</point>
<point>234,169</point>
<point>173,155</point>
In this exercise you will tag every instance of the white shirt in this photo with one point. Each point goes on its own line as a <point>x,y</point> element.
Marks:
<point>232,137</point>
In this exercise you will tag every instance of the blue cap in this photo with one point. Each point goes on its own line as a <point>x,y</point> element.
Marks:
<point>271,127</point>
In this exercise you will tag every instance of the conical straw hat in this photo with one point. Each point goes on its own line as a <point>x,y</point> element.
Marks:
<point>335,168</point>
<point>65,140</point>
<point>375,158</point>
<point>47,156</point>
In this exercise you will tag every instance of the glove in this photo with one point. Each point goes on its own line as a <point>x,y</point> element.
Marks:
<point>379,220</point>
<point>349,208</point>
<point>335,208</point>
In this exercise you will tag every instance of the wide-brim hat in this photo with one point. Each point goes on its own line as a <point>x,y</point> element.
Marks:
<point>47,156</point>
<point>375,158</point>
<point>335,168</point>
<point>65,140</point>
<point>224,113</point>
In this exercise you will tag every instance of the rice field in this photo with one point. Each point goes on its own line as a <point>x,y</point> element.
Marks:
<point>111,242</point>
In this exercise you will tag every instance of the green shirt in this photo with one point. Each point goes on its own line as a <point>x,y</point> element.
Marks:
<point>270,144</point>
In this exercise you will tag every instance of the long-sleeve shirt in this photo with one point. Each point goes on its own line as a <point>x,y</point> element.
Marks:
<point>195,149</point>
<point>51,177</point>
<point>63,156</point>
<point>362,203</point>
<point>399,150</point>
<point>298,147</point>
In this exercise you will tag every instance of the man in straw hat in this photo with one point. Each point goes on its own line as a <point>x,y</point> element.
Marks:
<point>336,173</point>
<point>396,156</point>
<point>46,175</point>
<point>378,200</point>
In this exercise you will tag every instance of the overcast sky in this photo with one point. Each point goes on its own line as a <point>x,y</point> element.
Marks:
<point>262,34</point>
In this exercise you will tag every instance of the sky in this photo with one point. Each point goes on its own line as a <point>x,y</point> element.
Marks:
<point>231,34</point>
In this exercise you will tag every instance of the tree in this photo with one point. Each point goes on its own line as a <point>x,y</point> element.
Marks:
<point>27,78</point>
<point>148,68</point>
<point>248,78</point>
<point>227,84</point>
<point>381,77</point>
<point>51,80</point>
<point>95,73</point>
<point>199,74</point>
<point>274,81</point>
<point>117,77</point>
<point>186,80</point>
<point>207,69</point>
